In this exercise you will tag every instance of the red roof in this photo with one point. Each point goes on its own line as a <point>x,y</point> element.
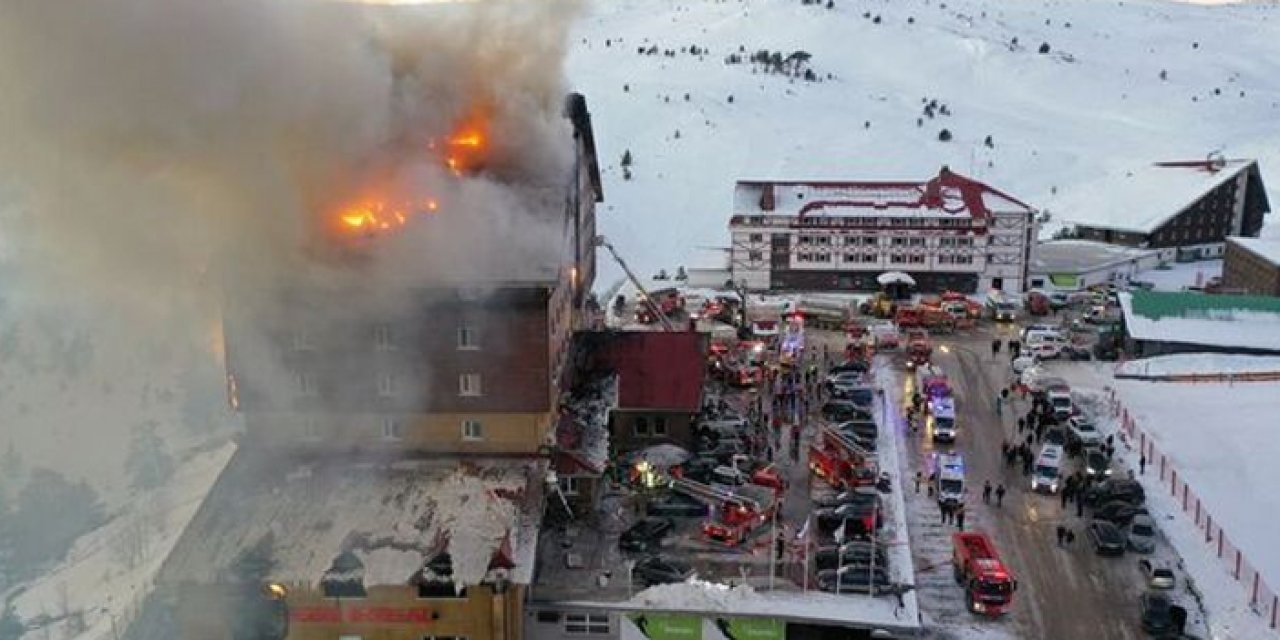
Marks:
<point>658,370</point>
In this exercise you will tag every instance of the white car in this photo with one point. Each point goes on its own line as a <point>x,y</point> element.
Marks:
<point>1024,362</point>
<point>1044,350</point>
<point>1084,431</point>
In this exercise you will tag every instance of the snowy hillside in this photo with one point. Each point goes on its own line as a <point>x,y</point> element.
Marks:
<point>1094,104</point>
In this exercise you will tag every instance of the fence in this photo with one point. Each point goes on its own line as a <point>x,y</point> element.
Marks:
<point>1244,376</point>
<point>1263,600</point>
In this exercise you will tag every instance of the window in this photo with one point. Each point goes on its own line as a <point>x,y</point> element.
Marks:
<point>897,242</point>
<point>915,259</point>
<point>852,257</point>
<point>302,339</point>
<point>386,385</point>
<point>586,623</point>
<point>472,429</point>
<point>822,257</point>
<point>897,258</point>
<point>469,384</point>
<point>569,485</point>
<point>915,242</point>
<point>964,242</point>
<point>870,241</point>
<point>382,338</point>
<point>391,429</point>
<point>756,237</point>
<point>467,338</point>
<point>870,257</point>
<point>350,637</point>
<point>640,427</point>
<point>444,638</point>
<point>660,426</point>
<point>804,239</point>
<point>755,256</point>
<point>947,242</point>
<point>307,384</point>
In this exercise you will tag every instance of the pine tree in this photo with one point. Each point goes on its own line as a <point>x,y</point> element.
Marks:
<point>626,158</point>
<point>149,464</point>
<point>945,135</point>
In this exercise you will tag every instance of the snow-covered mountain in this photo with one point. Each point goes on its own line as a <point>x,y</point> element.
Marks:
<point>1121,84</point>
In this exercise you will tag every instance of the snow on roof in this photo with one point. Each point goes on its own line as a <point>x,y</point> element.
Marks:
<point>584,424</point>
<point>392,517</point>
<point>1080,256</point>
<point>1199,363</point>
<point>1245,322</point>
<point>1142,200</point>
<point>1266,248</point>
<point>946,195</point>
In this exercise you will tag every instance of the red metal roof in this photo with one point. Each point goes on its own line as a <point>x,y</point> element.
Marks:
<point>658,370</point>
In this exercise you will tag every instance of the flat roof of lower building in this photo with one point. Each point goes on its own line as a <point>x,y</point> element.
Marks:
<point>1082,256</point>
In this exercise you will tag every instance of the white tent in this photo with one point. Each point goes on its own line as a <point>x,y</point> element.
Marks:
<point>895,277</point>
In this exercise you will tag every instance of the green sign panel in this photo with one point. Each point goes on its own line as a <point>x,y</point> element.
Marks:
<point>1065,280</point>
<point>661,626</point>
<point>752,628</point>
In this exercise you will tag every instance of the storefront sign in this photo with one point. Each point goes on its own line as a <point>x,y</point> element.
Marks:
<point>355,615</point>
<point>752,628</point>
<point>668,627</point>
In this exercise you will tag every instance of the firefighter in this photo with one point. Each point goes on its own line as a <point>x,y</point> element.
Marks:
<point>1000,495</point>
<point>995,347</point>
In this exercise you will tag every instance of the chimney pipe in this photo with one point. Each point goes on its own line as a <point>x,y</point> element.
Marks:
<point>766,197</point>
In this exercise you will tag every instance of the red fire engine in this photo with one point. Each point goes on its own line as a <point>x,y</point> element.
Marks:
<point>988,585</point>
<point>919,350</point>
<point>735,513</point>
<point>840,461</point>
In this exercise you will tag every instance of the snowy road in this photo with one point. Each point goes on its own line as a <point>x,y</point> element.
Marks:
<point>1063,593</point>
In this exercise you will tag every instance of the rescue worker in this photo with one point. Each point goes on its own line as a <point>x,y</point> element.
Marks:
<point>995,347</point>
<point>999,495</point>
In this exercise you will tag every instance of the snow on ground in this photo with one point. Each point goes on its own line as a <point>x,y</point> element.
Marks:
<point>1180,275</point>
<point>1094,105</point>
<point>110,571</point>
<point>1221,438</point>
<point>1199,363</point>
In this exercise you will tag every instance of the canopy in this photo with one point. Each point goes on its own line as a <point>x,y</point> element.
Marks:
<point>663,455</point>
<point>895,277</point>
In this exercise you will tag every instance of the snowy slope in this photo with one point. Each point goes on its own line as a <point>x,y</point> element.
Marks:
<point>1094,105</point>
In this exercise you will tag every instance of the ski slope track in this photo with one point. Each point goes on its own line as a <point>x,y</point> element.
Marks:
<point>1094,105</point>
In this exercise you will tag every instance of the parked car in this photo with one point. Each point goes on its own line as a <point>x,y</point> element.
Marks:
<point>677,505</point>
<point>1059,300</point>
<point>858,514</point>
<point>849,366</point>
<point>853,579</point>
<point>1083,432</point>
<point>848,554</point>
<point>864,495</point>
<point>858,393</point>
<point>1157,614</point>
<point>1157,575</point>
<point>840,410</point>
<point>865,429</point>
<point>1096,465</point>
<point>646,535</point>
<point>659,570</point>
<point>862,435</point>
<point>1114,489</point>
<point>1024,362</point>
<point>1106,538</point>
<point>1077,353</point>
<point>1055,435</point>
<point>1118,512</point>
<point>1142,534</point>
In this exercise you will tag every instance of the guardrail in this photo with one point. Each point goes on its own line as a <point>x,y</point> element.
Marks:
<point>1263,599</point>
<point>1252,376</point>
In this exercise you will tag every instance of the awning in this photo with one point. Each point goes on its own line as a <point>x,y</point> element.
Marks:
<point>895,277</point>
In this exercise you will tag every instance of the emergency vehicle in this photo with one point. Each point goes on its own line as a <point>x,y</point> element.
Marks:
<point>988,585</point>
<point>941,421</point>
<point>950,478</point>
<point>839,460</point>
<point>918,348</point>
<point>735,512</point>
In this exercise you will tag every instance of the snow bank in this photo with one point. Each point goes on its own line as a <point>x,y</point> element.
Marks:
<point>1199,363</point>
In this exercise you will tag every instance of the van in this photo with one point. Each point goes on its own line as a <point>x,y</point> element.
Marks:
<point>1048,469</point>
<point>1000,308</point>
<point>950,478</point>
<point>941,422</point>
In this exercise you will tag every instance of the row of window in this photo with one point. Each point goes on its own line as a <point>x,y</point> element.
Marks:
<point>393,429</point>
<point>645,428</point>
<point>871,258</point>
<point>871,241</point>
<point>853,221</point>
<point>468,385</point>
<point>384,339</point>
<point>577,623</point>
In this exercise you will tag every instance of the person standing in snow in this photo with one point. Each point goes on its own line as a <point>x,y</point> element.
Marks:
<point>1000,495</point>
<point>995,347</point>
<point>986,492</point>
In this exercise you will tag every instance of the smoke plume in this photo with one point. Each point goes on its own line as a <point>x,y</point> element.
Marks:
<point>149,144</point>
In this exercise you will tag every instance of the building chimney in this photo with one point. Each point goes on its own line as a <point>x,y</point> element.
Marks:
<point>932,197</point>
<point>766,197</point>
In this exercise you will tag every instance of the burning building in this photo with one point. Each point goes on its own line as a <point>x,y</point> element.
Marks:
<point>464,359</point>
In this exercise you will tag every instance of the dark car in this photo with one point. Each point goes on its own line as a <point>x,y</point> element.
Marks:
<point>1096,465</point>
<point>861,396</point>
<point>858,515</point>
<point>1055,436</point>
<point>1077,353</point>
<point>1106,537</point>
<point>1118,512</point>
<point>660,570</point>
<point>1116,489</point>
<point>646,534</point>
<point>1157,613</point>
<point>842,410</point>
<point>860,495</point>
<point>862,436</point>
<point>849,366</point>
<point>865,429</point>
<point>849,554</point>
<point>853,579</point>
<point>677,506</point>
<point>722,451</point>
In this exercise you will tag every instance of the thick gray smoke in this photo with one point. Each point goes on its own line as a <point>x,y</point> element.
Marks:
<point>150,143</point>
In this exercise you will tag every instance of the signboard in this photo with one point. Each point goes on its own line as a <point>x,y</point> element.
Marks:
<point>661,626</point>
<point>1064,280</point>
<point>752,628</point>
<point>356,615</point>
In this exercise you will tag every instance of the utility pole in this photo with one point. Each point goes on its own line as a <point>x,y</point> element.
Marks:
<point>773,546</point>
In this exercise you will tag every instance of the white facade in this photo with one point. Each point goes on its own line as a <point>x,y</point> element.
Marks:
<point>948,232</point>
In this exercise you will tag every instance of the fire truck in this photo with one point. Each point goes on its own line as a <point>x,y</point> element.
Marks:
<point>668,301</point>
<point>988,585</point>
<point>839,460</point>
<point>918,348</point>
<point>932,382</point>
<point>735,512</point>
